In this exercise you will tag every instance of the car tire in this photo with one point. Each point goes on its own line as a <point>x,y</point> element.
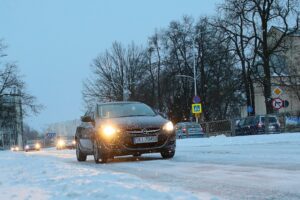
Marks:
<point>99,154</point>
<point>79,154</point>
<point>167,154</point>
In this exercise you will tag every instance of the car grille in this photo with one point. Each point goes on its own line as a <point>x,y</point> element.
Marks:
<point>143,131</point>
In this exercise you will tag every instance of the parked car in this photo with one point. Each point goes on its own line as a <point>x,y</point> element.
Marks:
<point>256,125</point>
<point>188,129</point>
<point>65,143</point>
<point>33,145</point>
<point>123,128</point>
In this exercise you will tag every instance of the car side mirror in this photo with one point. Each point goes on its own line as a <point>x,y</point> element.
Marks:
<point>86,119</point>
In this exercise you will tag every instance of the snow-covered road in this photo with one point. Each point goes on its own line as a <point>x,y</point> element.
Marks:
<point>249,167</point>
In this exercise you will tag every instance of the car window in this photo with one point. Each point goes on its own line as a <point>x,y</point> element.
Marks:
<point>249,120</point>
<point>124,110</point>
<point>242,121</point>
<point>271,119</point>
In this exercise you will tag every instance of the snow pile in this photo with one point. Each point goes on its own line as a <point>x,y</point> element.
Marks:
<point>244,140</point>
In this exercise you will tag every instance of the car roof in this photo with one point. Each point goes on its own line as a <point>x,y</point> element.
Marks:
<point>184,123</point>
<point>118,102</point>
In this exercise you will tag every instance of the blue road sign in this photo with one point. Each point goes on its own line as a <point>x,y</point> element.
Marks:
<point>249,109</point>
<point>196,99</point>
<point>50,135</point>
<point>197,108</point>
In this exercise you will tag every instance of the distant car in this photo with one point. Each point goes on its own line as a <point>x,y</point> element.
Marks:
<point>256,125</point>
<point>188,129</point>
<point>33,146</point>
<point>15,148</point>
<point>124,128</point>
<point>63,143</point>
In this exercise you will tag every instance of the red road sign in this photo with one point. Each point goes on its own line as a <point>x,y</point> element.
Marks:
<point>277,103</point>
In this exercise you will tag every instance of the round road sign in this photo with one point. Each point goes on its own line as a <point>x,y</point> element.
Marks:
<point>196,99</point>
<point>277,103</point>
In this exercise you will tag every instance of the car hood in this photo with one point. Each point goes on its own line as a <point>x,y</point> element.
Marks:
<point>134,122</point>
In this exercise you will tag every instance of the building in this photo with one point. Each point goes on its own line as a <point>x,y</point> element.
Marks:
<point>11,121</point>
<point>285,74</point>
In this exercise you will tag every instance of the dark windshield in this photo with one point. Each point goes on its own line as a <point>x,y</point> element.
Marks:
<point>124,110</point>
<point>271,119</point>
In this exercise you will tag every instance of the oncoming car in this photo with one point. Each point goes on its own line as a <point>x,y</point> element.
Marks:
<point>15,148</point>
<point>33,146</point>
<point>123,128</point>
<point>64,143</point>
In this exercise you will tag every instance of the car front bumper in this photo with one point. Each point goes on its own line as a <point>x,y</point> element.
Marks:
<point>125,145</point>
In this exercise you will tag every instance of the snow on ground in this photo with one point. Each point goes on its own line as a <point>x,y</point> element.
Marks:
<point>246,167</point>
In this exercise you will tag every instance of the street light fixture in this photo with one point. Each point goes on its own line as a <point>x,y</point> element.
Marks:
<point>194,68</point>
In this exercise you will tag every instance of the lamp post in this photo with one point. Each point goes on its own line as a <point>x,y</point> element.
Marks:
<point>194,70</point>
<point>195,83</point>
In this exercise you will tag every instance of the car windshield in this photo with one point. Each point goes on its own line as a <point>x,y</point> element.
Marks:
<point>271,119</point>
<point>188,124</point>
<point>32,142</point>
<point>124,110</point>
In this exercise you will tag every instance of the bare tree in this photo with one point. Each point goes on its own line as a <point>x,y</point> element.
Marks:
<point>155,53</point>
<point>14,99</point>
<point>113,73</point>
<point>11,83</point>
<point>232,21</point>
<point>262,15</point>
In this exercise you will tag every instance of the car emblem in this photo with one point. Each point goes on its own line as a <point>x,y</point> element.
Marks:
<point>144,131</point>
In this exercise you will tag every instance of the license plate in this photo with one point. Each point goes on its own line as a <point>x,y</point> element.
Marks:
<point>271,127</point>
<point>149,139</point>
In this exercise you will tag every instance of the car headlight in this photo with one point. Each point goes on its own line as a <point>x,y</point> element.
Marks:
<point>109,131</point>
<point>61,143</point>
<point>73,142</point>
<point>17,149</point>
<point>37,146</point>
<point>12,149</point>
<point>26,147</point>
<point>168,127</point>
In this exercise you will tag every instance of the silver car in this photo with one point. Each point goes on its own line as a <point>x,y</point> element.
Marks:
<point>188,129</point>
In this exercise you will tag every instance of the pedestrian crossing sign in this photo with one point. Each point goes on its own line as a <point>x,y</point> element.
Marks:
<point>197,108</point>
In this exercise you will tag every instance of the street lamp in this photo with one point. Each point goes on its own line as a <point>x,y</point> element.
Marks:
<point>194,68</point>
<point>195,83</point>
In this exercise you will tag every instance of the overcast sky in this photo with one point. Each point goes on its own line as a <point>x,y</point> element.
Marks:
<point>54,42</point>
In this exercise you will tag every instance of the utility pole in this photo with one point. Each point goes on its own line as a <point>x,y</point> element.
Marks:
<point>195,77</point>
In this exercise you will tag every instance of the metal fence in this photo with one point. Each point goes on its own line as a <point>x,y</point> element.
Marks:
<point>253,125</point>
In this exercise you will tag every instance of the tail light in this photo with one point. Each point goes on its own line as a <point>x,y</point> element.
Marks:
<point>259,125</point>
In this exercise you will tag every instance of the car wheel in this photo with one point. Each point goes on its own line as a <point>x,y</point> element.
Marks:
<point>79,154</point>
<point>167,154</point>
<point>99,154</point>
